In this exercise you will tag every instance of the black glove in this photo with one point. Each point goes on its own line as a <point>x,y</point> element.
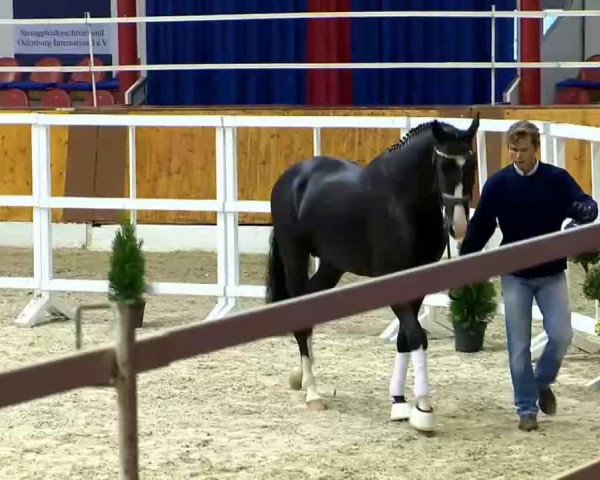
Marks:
<point>583,212</point>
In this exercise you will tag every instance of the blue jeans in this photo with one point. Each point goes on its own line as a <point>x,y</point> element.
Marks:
<point>552,296</point>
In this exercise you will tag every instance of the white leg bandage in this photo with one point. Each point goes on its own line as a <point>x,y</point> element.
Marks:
<point>398,380</point>
<point>419,359</point>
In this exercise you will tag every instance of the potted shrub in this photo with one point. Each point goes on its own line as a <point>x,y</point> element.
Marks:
<point>591,289</point>
<point>587,259</point>
<point>471,309</point>
<point>126,277</point>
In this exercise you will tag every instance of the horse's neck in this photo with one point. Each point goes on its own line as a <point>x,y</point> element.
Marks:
<point>409,168</point>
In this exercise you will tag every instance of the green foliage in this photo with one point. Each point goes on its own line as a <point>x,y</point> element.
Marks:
<point>586,259</point>
<point>127,266</point>
<point>472,307</point>
<point>591,285</point>
<point>591,289</point>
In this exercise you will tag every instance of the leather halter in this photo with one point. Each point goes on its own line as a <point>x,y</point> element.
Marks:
<point>448,200</point>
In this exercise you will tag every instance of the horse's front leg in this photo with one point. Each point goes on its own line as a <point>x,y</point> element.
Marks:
<point>412,339</point>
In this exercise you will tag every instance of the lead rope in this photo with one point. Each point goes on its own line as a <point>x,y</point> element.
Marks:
<point>441,203</point>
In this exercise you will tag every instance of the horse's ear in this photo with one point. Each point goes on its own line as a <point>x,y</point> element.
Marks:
<point>437,131</point>
<point>474,126</point>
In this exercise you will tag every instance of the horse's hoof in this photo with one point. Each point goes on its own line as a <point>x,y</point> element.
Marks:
<point>295,379</point>
<point>317,405</point>
<point>422,420</point>
<point>400,412</point>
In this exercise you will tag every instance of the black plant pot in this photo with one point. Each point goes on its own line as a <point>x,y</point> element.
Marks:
<point>469,341</point>
<point>136,313</point>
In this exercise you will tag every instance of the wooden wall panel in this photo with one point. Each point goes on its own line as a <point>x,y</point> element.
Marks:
<point>81,170</point>
<point>175,163</point>
<point>15,167</point>
<point>110,169</point>
<point>263,154</point>
<point>59,145</point>
<point>180,162</point>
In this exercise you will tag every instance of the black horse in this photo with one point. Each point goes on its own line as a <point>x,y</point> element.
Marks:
<point>371,221</point>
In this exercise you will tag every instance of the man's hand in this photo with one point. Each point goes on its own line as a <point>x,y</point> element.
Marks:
<point>583,212</point>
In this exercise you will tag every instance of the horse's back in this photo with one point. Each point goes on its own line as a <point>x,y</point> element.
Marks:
<point>331,206</point>
<point>310,178</point>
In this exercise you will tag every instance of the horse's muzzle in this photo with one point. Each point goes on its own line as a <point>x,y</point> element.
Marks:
<point>450,202</point>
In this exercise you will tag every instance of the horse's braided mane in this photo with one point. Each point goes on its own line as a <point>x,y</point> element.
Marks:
<point>411,134</point>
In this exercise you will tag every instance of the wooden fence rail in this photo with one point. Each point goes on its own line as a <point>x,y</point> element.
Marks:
<point>104,365</point>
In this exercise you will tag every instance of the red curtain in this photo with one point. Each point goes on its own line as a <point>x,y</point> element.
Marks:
<point>329,41</point>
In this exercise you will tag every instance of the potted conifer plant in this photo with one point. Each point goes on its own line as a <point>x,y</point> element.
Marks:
<point>591,289</point>
<point>126,278</point>
<point>471,309</point>
<point>587,259</point>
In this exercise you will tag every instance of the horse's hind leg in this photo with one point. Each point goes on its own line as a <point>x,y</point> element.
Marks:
<point>411,338</point>
<point>326,277</point>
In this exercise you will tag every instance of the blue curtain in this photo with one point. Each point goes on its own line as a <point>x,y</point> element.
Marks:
<point>429,40</point>
<point>372,40</point>
<point>260,41</point>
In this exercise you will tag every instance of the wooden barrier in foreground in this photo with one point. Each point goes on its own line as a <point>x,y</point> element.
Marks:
<point>120,365</point>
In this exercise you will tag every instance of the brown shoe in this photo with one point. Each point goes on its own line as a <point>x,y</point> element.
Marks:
<point>547,400</point>
<point>528,423</point>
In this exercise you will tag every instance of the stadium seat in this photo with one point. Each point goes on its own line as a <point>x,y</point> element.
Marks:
<point>47,78</point>
<point>590,74</point>
<point>103,97</point>
<point>13,98</point>
<point>573,96</point>
<point>7,78</point>
<point>86,77</point>
<point>55,98</point>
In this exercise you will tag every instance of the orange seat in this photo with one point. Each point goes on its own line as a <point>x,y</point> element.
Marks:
<point>55,98</point>
<point>590,74</point>
<point>86,77</point>
<point>13,98</point>
<point>103,99</point>
<point>573,96</point>
<point>47,77</point>
<point>9,77</point>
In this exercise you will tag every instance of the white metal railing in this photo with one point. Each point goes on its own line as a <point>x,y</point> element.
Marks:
<point>492,14</point>
<point>298,66</point>
<point>226,204</point>
<point>303,15</point>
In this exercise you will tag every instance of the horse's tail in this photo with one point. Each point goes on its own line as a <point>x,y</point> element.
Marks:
<point>276,289</point>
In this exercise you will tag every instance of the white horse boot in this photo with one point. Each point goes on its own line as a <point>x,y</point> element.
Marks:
<point>422,416</point>
<point>400,407</point>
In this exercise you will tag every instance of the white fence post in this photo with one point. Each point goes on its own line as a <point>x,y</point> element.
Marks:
<point>559,152</point>
<point>221,227</point>
<point>317,151</point>
<point>231,218</point>
<point>482,167</point>
<point>227,222</point>
<point>549,146</point>
<point>132,151</point>
<point>43,301</point>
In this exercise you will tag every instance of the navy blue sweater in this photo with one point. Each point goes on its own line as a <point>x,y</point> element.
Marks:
<point>526,207</point>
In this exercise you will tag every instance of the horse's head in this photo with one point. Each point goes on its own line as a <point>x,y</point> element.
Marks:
<point>455,167</point>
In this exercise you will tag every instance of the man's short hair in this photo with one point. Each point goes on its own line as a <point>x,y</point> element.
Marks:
<point>523,129</point>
